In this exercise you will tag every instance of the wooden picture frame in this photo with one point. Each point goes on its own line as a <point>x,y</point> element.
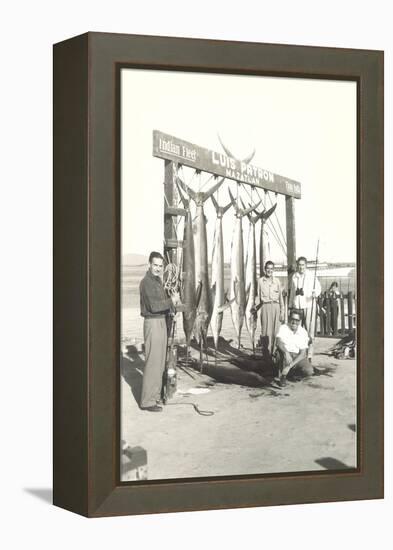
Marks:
<point>87,263</point>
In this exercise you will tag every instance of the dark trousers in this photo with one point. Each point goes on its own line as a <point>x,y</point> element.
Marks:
<point>302,369</point>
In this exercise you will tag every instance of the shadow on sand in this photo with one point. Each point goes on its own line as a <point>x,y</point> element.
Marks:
<point>132,366</point>
<point>230,365</point>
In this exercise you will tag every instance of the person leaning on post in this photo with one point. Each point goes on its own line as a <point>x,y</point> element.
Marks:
<point>155,307</point>
<point>292,343</point>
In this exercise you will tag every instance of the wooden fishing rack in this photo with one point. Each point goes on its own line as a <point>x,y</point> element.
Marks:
<point>178,152</point>
<point>171,211</point>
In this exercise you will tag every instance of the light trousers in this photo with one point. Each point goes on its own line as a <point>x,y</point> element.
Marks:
<point>156,338</point>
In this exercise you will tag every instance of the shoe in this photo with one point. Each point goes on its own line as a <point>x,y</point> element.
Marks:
<point>153,408</point>
<point>283,381</point>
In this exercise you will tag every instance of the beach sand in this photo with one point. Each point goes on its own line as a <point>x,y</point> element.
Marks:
<point>256,428</point>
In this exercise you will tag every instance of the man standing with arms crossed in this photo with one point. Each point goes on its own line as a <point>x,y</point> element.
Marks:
<point>155,306</point>
<point>304,289</point>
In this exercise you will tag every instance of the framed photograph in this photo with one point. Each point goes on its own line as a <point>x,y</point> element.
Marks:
<point>218,274</point>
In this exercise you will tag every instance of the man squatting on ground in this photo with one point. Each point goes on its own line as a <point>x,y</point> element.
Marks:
<point>304,288</point>
<point>292,343</point>
<point>155,306</point>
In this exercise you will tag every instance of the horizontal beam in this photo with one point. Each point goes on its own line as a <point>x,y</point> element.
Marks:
<point>183,152</point>
<point>173,243</point>
<point>173,211</point>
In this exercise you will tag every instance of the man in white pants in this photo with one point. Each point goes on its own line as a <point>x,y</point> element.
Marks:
<point>304,289</point>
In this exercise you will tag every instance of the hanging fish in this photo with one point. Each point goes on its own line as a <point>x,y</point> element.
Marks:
<point>263,256</point>
<point>251,315</point>
<point>217,282</point>
<point>237,285</point>
<point>204,308</point>
<point>190,292</point>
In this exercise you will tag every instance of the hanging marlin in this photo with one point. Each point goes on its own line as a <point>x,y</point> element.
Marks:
<point>237,285</point>
<point>217,282</point>
<point>204,308</point>
<point>264,216</point>
<point>190,293</point>
<point>251,315</point>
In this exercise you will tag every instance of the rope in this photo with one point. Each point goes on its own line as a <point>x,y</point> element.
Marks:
<point>172,277</point>
<point>273,229</point>
<point>184,178</point>
<point>270,224</point>
<point>196,408</point>
<point>206,182</point>
<point>175,226</point>
<point>278,221</point>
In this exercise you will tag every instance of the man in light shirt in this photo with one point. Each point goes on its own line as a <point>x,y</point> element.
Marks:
<point>304,289</point>
<point>292,343</point>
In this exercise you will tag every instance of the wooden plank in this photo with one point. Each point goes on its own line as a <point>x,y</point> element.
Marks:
<point>328,316</point>
<point>170,200</point>
<point>319,316</point>
<point>173,243</point>
<point>350,311</point>
<point>177,150</point>
<point>334,318</point>
<point>174,211</point>
<point>291,236</point>
<point>342,314</point>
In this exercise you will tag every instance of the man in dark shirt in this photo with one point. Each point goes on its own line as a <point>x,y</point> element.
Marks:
<point>155,306</point>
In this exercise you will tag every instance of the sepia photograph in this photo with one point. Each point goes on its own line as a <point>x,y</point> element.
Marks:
<point>238,261</point>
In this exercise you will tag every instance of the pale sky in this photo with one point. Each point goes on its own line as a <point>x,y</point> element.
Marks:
<point>302,129</point>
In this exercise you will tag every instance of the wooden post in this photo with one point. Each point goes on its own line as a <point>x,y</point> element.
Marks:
<point>350,311</point>
<point>317,317</point>
<point>285,298</point>
<point>291,238</point>
<point>170,200</point>
<point>334,310</point>
<point>321,316</point>
<point>328,315</point>
<point>342,312</point>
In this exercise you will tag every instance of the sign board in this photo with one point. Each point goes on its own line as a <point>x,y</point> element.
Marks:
<point>180,151</point>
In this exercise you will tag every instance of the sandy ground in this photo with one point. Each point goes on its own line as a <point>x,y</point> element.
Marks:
<point>256,428</point>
